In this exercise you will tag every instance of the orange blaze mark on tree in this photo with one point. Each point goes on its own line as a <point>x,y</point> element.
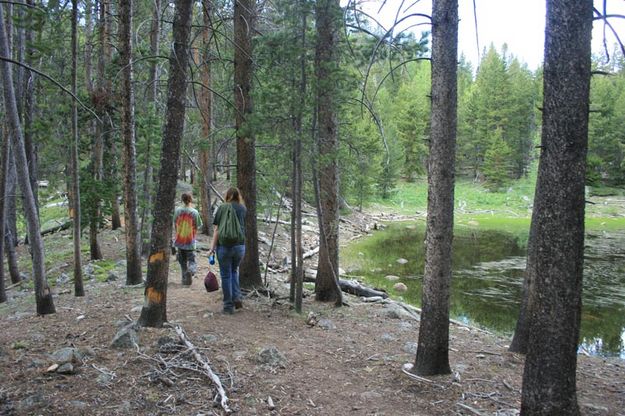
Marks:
<point>157,257</point>
<point>153,295</point>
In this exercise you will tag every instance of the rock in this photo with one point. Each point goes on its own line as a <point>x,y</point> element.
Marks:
<point>396,311</point>
<point>31,401</point>
<point>125,338</point>
<point>387,337</point>
<point>66,355</point>
<point>112,277</point>
<point>210,338</point>
<point>326,324</point>
<point>372,299</point>
<point>66,368</point>
<point>400,287</point>
<point>89,270</point>
<point>341,272</point>
<point>121,264</point>
<point>392,278</point>
<point>52,368</point>
<point>62,279</point>
<point>410,347</point>
<point>272,357</point>
<point>405,326</point>
<point>312,319</point>
<point>402,261</point>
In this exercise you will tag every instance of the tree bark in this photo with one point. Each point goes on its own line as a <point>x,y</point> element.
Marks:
<point>206,97</point>
<point>131,223</point>
<point>4,165</point>
<point>433,346</point>
<point>29,111</point>
<point>154,312</point>
<point>79,289</point>
<point>328,16</point>
<point>146,230</point>
<point>244,21</point>
<point>10,236</point>
<point>558,251</point>
<point>43,295</point>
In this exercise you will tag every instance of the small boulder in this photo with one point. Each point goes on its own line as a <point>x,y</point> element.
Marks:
<point>326,324</point>
<point>66,368</point>
<point>62,279</point>
<point>66,355</point>
<point>125,338</point>
<point>410,348</point>
<point>392,278</point>
<point>112,277</point>
<point>272,356</point>
<point>400,287</point>
<point>402,261</point>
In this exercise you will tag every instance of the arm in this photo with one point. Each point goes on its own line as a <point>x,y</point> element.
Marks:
<point>215,238</point>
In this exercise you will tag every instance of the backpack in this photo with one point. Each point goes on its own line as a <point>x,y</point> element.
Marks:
<point>229,230</point>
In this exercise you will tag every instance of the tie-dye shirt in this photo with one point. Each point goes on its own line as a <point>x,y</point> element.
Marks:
<point>186,223</point>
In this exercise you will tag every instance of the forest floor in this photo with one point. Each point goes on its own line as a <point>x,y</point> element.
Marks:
<point>271,360</point>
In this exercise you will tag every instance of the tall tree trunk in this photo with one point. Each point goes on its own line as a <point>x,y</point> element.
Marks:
<point>43,295</point>
<point>206,97</point>
<point>10,236</point>
<point>75,172</point>
<point>88,45</point>
<point>328,16</point>
<point>558,250</point>
<point>131,223</point>
<point>154,312</point>
<point>4,165</point>
<point>244,21</point>
<point>29,111</point>
<point>146,230</point>
<point>433,346</point>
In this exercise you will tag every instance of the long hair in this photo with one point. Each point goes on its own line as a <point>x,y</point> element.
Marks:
<point>234,195</point>
<point>186,198</point>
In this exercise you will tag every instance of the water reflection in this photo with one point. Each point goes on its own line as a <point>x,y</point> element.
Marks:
<point>488,276</point>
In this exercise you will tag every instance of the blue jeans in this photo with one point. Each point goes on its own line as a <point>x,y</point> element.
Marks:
<point>229,259</point>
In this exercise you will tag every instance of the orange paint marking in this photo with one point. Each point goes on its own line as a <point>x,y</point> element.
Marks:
<point>153,295</point>
<point>157,257</point>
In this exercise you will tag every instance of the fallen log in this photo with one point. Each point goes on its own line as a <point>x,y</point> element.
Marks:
<point>60,227</point>
<point>356,288</point>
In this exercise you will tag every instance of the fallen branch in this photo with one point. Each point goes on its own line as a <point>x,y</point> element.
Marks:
<point>205,365</point>
<point>470,409</point>
<point>311,253</point>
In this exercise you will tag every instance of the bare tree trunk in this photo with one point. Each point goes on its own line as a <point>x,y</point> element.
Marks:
<point>328,16</point>
<point>557,255</point>
<point>146,229</point>
<point>206,97</point>
<point>43,295</point>
<point>29,110</point>
<point>4,165</point>
<point>131,226</point>
<point>433,346</point>
<point>154,312</point>
<point>79,290</point>
<point>244,21</point>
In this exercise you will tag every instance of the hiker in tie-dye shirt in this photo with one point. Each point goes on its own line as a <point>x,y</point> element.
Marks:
<point>186,223</point>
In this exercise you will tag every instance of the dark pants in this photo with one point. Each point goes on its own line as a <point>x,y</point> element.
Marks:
<point>186,258</point>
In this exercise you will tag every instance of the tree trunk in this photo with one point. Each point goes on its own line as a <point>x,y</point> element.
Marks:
<point>206,97</point>
<point>3,177</point>
<point>328,16</point>
<point>10,236</point>
<point>29,110</point>
<point>244,21</point>
<point>154,312</point>
<point>79,290</point>
<point>43,295</point>
<point>433,346</point>
<point>558,250</point>
<point>521,331</point>
<point>146,229</point>
<point>131,223</point>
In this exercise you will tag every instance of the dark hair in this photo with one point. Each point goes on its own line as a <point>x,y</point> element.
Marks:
<point>233,194</point>
<point>186,198</point>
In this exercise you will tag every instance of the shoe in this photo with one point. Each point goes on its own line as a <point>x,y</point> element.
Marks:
<point>227,312</point>
<point>187,279</point>
<point>238,304</point>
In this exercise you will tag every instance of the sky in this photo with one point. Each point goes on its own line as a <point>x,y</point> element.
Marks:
<point>518,23</point>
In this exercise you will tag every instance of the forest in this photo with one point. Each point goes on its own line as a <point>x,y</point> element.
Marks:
<point>322,118</point>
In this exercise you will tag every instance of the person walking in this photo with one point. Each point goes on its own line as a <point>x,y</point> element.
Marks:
<point>229,244</point>
<point>186,223</point>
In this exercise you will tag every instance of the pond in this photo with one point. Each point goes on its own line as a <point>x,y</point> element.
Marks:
<point>488,277</point>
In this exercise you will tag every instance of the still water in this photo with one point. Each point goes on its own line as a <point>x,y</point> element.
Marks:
<point>488,276</point>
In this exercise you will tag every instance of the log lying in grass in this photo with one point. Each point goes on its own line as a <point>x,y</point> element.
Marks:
<point>355,288</point>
